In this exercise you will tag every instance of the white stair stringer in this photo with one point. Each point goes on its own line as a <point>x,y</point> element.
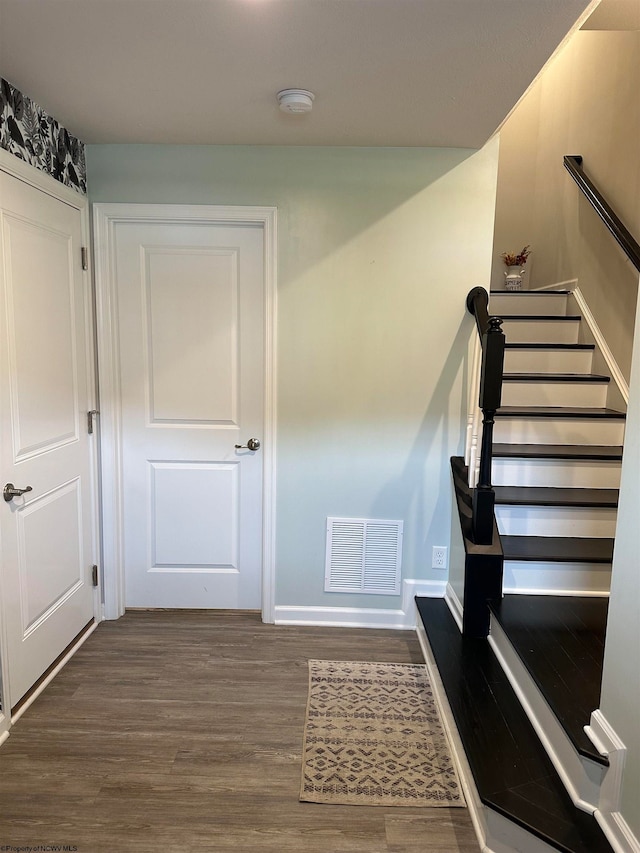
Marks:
<point>582,777</point>
<point>604,360</point>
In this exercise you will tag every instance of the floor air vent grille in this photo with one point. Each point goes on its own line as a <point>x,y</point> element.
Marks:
<point>363,555</point>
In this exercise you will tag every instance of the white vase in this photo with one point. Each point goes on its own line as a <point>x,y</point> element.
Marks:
<point>513,278</point>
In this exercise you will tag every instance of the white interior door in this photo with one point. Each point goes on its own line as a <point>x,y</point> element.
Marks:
<point>190,326</point>
<point>45,390</point>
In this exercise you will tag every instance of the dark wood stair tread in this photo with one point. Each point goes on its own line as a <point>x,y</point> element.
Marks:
<point>558,451</point>
<point>554,377</point>
<point>558,412</point>
<point>555,496</point>
<point>530,292</point>
<point>558,549</point>
<point>560,641</point>
<point>557,346</point>
<point>513,774</point>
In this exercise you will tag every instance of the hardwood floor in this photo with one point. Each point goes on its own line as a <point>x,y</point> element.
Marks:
<point>181,731</point>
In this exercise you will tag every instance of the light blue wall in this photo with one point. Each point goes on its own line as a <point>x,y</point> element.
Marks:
<point>377,250</point>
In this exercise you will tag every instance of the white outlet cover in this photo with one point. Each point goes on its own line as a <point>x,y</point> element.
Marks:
<point>439,557</point>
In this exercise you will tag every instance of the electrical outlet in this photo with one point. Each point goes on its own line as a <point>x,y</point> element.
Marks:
<point>439,557</point>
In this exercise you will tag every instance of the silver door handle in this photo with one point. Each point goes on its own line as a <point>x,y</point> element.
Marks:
<point>252,444</point>
<point>9,492</point>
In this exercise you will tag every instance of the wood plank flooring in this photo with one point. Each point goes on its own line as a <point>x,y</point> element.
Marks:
<point>182,731</point>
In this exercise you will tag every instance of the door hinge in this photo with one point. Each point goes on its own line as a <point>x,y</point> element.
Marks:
<point>84,254</point>
<point>94,575</point>
<point>90,416</point>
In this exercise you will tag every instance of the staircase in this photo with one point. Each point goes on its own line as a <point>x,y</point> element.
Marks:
<point>557,450</point>
<point>521,698</point>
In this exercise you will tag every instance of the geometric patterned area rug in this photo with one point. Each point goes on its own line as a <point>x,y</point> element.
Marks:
<point>373,737</point>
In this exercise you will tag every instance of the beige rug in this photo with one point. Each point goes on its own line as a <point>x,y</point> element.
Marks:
<point>373,737</point>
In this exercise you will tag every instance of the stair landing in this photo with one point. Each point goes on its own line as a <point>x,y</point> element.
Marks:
<point>512,773</point>
<point>560,641</point>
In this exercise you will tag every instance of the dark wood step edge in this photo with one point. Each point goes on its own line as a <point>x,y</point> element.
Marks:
<point>545,346</point>
<point>588,412</point>
<point>530,292</point>
<point>554,318</point>
<point>598,452</point>
<point>555,377</point>
<point>561,496</point>
<point>558,549</point>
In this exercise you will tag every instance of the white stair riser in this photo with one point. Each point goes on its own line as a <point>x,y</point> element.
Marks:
<point>556,521</point>
<point>569,473</point>
<point>547,578</point>
<point>540,303</point>
<point>541,331</point>
<point>579,394</point>
<point>547,361</point>
<point>606,431</point>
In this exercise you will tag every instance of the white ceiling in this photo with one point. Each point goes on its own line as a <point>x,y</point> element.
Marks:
<point>385,72</point>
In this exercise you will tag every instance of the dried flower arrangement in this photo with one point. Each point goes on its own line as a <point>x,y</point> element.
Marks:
<point>516,260</point>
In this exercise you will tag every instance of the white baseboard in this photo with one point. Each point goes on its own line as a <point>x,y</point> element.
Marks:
<point>46,681</point>
<point>363,617</point>
<point>618,832</point>
<point>616,374</point>
<point>605,739</point>
<point>454,604</point>
<point>424,588</point>
<point>3,737</point>
<point>476,809</point>
<point>338,617</point>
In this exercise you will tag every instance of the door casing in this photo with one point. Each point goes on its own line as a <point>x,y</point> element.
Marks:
<point>106,217</point>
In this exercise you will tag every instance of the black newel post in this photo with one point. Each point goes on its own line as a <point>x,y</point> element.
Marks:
<point>490,395</point>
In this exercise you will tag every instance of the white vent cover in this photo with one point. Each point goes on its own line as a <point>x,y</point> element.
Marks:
<point>363,555</point>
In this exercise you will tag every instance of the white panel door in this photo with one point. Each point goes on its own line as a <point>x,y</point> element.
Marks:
<point>45,368</point>
<point>190,335</point>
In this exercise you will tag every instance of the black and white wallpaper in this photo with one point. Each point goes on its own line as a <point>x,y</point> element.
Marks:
<point>30,133</point>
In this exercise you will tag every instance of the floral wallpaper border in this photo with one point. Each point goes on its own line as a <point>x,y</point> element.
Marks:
<point>32,135</point>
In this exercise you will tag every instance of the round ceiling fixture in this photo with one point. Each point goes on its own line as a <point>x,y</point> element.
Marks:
<point>295,100</point>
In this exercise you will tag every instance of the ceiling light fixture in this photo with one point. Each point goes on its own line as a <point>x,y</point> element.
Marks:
<point>295,101</point>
